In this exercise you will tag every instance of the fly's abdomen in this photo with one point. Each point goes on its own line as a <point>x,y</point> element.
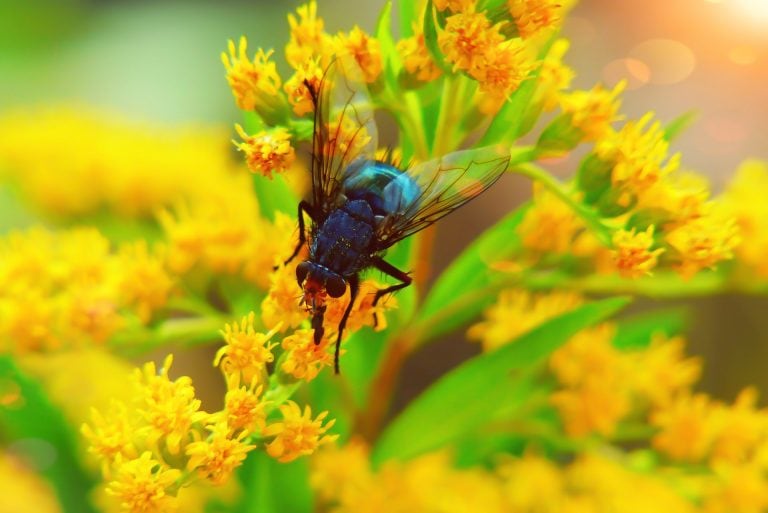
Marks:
<point>344,242</point>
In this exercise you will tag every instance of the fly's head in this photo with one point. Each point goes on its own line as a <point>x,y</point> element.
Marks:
<point>318,282</point>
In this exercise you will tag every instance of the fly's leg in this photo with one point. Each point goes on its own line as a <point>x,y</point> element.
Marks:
<point>390,270</point>
<point>354,287</point>
<point>303,207</point>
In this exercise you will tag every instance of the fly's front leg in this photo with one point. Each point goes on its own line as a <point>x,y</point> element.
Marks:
<point>309,209</point>
<point>390,270</point>
<point>354,287</point>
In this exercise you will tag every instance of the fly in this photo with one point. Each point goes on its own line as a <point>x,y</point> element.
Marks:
<point>360,206</point>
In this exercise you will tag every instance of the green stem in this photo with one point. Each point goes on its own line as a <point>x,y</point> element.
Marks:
<point>557,188</point>
<point>446,124</point>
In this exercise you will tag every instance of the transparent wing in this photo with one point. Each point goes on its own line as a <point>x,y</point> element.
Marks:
<point>444,184</point>
<point>344,130</point>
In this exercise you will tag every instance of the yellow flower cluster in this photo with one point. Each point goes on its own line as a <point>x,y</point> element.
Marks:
<point>591,483</point>
<point>75,161</point>
<point>160,441</point>
<point>72,288</point>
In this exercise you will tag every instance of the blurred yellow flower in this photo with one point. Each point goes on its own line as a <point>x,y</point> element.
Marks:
<point>633,256</point>
<point>554,77</point>
<point>298,434</point>
<point>295,87</point>
<point>592,112</point>
<point>703,242</point>
<point>416,57</point>
<point>307,37</point>
<point>455,5</point>
<point>662,371</point>
<point>687,427</point>
<point>111,437</point>
<point>532,16</point>
<point>549,225</point>
<point>467,39</point>
<point>24,490</point>
<point>365,50</point>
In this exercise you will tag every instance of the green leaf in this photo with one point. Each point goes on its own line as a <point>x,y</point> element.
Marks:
<point>464,288</point>
<point>637,331</point>
<point>678,125</point>
<point>392,64</point>
<point>430,39</point>
<point>407,13</point>
<point>465,398</point>
<point>274,196</point>
<point>273,487</point>
<point>36,419</point>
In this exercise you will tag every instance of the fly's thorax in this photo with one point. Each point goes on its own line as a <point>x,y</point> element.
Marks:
<point>387,189</point>
<point>318,282</point>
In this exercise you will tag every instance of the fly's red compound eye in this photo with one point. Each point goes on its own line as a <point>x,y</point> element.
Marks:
<point>301,272</point>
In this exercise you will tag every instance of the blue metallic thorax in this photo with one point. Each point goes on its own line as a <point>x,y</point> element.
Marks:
<point>345,242</point>
<point>384,187</point>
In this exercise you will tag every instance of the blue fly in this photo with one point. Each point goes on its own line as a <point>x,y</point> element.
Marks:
<point>360,206</point>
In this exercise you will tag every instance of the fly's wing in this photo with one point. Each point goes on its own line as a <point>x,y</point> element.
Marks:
<point>344,130</point>
<point>440,186</point>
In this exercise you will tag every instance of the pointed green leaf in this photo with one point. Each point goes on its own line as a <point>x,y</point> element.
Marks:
<point>637,331</point>
<point>464,398</point>
<point>679,125</point>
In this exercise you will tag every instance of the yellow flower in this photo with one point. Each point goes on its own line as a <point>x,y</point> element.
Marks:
<point>111,438</point>
<point>169,408</point>
<point>303,358</point>
<point>455,5</point>
<point>255,83</point>
<point>592,112</point>
<point>687,427</point>
<point>467,39</point>
<point>282,301</point>
<point>595,395</point>
<point>297,434</point>
<point>662,371</point>
<point>742,429</point>
<point>532,16</point>
<point>145,283</point>
<point>267,151</point>
<point>363,312</point>
<point>26,490</point>
<point>142,485</point>
<point>243,408</point>
<point>532,483</point>
<point>703,242</point>
<point>633,256</point>
<point>502,70</point>
<point>549,225</point>
<point>216,457</point>
<point>638,155</point>
<point>739,488</point>
<point>247,351</point>
<point>364,49</point>
<point>554,76</point>
<point>416,57</point>
<point>518,311</point>
<point>307,37</point>
<point>296,89</point>
<point>744,199</point>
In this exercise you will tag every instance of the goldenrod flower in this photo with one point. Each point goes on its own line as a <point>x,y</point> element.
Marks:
<point>554,76</point>
<point>502,70</point>
<point>145,284</point>
<point>741,431</point>
<point>255,83</point>
<point>364,49</point>
<point>518,311</point>
<point>703,242</point>
<point>26,490</point>
<point>549,225</point>
<point>303,358</point>
<point>532,16</point>
<point>297,434</point>
<point>111,438</point>
<point>169,408</point>
<point>216,457</point>
<point>467,40</point>
<point>454,6</point>
<point>267,151</point>
<point>363,312</point>
<point>532,483</point>
<point>687,427</point>
<point>662,371</point>
<point>142,485</point>
<point>296,89</point>
<point>281,306</point>
<point>416,57</point>
<point>592,112</point>
<point>638,155</point>
<point>307,37</point>
<point>738,488</point>
<point>247,351</point>
<point>244,406</point>
<point>633,256</point>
